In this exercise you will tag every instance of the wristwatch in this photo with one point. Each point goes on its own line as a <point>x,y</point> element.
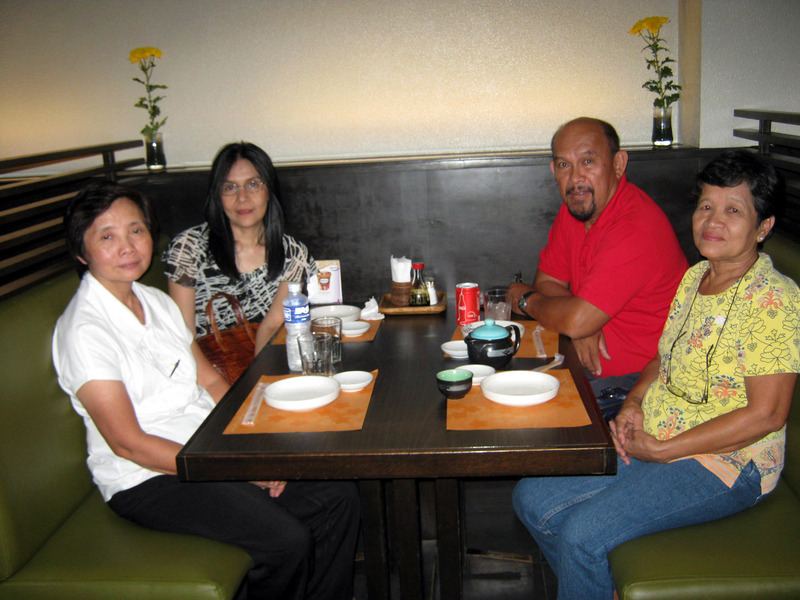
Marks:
<point>522,304</point>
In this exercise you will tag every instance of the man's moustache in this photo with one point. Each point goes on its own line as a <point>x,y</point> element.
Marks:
<point>580,189</point>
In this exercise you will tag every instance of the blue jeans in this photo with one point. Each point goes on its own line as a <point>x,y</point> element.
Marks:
<point>576,521</point>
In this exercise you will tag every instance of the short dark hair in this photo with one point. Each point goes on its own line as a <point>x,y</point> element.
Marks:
<point>91,202</point>
<point>609,132</point>
<point>221,243</point>
<point>734,167</point>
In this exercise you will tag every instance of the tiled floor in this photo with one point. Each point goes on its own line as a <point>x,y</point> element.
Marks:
<point>502,562</point>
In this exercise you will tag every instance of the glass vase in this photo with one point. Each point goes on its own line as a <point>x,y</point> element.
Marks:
<point>662,126</point>
<point>154,152</point>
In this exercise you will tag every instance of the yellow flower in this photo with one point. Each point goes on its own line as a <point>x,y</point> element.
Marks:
<point>652,24</point>
<point>141,53</point>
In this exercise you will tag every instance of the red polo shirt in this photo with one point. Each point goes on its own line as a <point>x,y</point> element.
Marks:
<point>628,265</point>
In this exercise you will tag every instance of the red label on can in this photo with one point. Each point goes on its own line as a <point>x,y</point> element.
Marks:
<point>468,308</point>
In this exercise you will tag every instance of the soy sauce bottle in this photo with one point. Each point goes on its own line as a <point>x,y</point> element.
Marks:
<point>419,291</point>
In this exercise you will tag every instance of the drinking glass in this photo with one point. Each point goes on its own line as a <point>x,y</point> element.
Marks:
<point>332,325</point>
<point>495,305</point>
<point>315,353</point>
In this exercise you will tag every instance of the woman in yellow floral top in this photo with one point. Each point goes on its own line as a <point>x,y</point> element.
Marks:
<point>701,435</point>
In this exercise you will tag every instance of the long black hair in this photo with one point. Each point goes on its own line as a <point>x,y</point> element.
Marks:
<point>221,242</point>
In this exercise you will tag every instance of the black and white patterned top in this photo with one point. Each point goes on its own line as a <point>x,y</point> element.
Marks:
<point>189,263</point>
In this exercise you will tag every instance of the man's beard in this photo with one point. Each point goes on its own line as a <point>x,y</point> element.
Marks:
<point>583,213</point>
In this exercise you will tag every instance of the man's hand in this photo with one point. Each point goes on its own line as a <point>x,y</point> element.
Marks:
<point>515,291</point>
<point>590,349</point>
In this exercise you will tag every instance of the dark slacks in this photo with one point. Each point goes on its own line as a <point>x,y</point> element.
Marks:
<point>302,543</point>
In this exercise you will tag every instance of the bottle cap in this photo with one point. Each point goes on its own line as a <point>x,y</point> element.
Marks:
<point>417,265</point>
<point>295,287</point>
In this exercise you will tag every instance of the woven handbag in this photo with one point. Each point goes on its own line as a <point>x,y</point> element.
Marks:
<point>229,350</point>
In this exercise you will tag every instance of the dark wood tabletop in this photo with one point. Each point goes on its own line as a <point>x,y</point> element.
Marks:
<point>404,433</point>
<point>404,438</point>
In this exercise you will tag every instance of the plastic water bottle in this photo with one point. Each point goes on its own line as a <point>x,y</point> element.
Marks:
<point>297,318</point>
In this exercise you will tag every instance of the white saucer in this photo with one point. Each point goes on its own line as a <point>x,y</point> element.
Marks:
<point>520,388</point>
<point>479,372</point>
<point>306,392</point>
<point>354,328</point>
<point>343,311</point>
<point>352,381</point>
<point>456,349</point>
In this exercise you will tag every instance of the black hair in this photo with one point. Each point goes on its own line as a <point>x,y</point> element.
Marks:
<point>221,242</point>
<point>93,201</point>
<point>611,135</point>
<point>734,167</point>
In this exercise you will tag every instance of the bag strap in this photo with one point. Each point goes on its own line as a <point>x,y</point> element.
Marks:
<point>237,310</point>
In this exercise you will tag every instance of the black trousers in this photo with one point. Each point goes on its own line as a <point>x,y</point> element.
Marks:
<point>302,543</point>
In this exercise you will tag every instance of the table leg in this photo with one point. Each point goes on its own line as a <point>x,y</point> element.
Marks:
<point>407,539</point>
<point>373,531</point>
<point>448,533</point>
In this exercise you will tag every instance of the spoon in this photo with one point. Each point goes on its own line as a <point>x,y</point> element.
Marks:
<point>557,360</point>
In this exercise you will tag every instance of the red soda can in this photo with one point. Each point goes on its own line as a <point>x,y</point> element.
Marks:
<point>468,308</point>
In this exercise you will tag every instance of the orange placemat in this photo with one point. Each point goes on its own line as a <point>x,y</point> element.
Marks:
<point>368,336</point>
<point>527,346</point>
<point>346,413</point>
<point>473,411</point>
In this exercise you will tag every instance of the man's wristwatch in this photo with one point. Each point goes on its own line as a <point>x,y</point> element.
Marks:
<point>522,304</point>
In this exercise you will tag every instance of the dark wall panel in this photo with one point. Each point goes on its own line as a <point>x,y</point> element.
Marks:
<point>468,219</point>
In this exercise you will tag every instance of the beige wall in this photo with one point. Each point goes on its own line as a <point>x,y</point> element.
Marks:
<point>355,78</point>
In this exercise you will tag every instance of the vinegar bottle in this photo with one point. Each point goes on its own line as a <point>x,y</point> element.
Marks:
<point>419,291</point>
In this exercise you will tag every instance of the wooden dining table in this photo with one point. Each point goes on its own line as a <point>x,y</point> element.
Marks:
<point>403,440</point>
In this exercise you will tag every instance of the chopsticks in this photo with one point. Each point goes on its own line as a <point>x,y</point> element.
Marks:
<point>255,403</point>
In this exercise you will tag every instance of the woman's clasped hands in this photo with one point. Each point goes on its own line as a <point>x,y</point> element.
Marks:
<point>630,438</point>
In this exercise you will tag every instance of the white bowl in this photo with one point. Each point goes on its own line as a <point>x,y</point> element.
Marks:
<point>354,328</point>
<point>456,349</point>
<point>520,388</point>
<point>466,329</point>
<point>479,372</point>
<point>306,392</point>
<point>343,311</point>
<point>352,381</point>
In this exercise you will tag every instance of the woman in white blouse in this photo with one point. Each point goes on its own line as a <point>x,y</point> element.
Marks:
<point>139,380</point>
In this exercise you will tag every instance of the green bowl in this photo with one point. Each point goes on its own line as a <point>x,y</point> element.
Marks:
<point>454,383</point>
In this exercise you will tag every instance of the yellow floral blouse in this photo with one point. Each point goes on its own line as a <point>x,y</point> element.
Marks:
<point>715,341</point>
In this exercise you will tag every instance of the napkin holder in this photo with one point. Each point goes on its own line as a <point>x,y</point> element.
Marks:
<point>401,292</point>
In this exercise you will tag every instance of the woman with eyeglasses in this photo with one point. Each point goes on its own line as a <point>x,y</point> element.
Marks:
<point>701,435</point>
<point>241,249</point>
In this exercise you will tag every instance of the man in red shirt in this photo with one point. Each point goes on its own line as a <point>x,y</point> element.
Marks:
<point>611,265</point>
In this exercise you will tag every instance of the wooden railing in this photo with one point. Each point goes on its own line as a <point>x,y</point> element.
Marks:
<point>783,151</point>
<point>32,246</point>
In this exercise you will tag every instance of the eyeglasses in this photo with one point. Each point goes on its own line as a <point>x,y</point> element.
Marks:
<point>681,393</point>
<point>251,187</point>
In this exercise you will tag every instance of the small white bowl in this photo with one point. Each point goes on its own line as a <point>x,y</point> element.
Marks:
<point>343,311</point>
<point>479,372</point>
<point>353,381</point>
<point>354,328</point>
<point>456,349</point>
